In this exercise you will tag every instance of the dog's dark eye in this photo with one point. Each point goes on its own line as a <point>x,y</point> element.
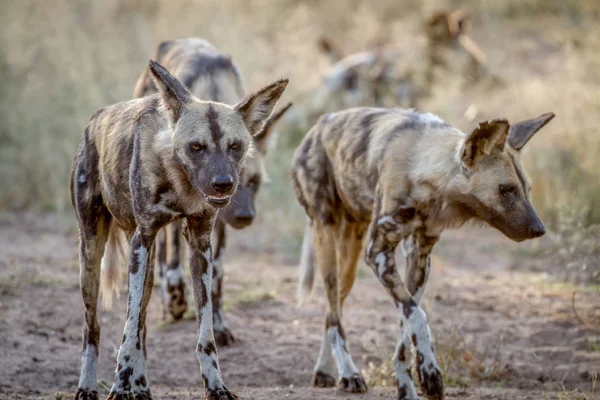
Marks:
<point>235,146</point>
<point>253,182</point>
<point>197,146</point>
<point>507,189</point>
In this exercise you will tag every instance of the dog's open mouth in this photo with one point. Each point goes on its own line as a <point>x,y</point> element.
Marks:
<point>218,201</point>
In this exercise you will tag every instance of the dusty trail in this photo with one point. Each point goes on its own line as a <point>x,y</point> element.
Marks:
<point>505,332</point>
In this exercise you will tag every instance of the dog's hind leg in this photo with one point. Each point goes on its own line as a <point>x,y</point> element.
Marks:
<point>349,246</point>
<point>161,259</point>
<point>173,278</point>
<point>324,241</point>
<point>94,225</point>
<point>328,245</point>
<point>223,335</point>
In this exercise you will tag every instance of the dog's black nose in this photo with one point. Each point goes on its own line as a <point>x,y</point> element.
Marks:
<point>537,230</point>
<point>244,218</point>
<point>222,184</point>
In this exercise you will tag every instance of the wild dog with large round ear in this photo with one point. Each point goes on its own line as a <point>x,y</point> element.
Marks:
<point>401,176</point>
<point>142,164</point>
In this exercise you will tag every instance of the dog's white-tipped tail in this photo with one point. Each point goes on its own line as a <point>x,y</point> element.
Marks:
<point>306,277</point>
<point>112,261</point>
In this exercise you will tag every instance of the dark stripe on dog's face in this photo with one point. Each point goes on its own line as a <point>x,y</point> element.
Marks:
<point>213,124</point>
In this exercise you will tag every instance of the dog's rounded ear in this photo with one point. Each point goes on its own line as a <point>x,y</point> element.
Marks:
<point>258,106</point>
<point>488,136</point>
<point>521,132</point>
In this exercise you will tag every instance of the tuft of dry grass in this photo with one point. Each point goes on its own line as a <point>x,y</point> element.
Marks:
<point>462,365</point>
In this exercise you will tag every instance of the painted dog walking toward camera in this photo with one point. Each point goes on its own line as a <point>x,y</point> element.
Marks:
<point>209,75</point>
<point>142,164</point>
<point>399,175</point>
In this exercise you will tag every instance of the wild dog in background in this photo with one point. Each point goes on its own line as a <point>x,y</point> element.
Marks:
<point>449,29</point>
<point>382,75</point>
<point>399,175</point>
<point>209,75</point>
<point>142,164</point>
<point>377,76</point>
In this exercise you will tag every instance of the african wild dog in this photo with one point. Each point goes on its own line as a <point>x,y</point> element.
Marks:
<point>209,75</point>
<point>367,77</point>
<point>142,164</point>
<point>381,75</point>
<point>399,175</point>
<point>448,29</point>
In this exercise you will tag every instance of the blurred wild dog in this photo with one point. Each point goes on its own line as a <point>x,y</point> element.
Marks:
<point>142,164</point>
<point>381,75</point>
<point>367,77</point>
<point>400,175</point>
<point>209,75</point>
<point>449,29</point>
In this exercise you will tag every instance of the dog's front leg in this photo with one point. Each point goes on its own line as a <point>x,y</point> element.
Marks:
<point>198,234</point>
<point>130,381</point>
<point>417,249</point>
<point>384,234</point>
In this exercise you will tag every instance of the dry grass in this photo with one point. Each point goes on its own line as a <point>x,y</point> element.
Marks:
<point>62,60</point>
<point>576,396</point>
<point>462,365</point>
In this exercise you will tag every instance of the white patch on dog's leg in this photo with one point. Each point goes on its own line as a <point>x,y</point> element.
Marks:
<point>206,350</point>
<point>219,322</point>
<point>88,378</point>
<point>345,365</point>
<point>387,219</point>
<point>408,246</point>
<point>174,276</point>
<point>416,323</point>
<point>419,294</point>
<point>380,261</point>
<point>325,362</point>
<point>131,356</point>
<point>401,364</point>
<point>206,329</point>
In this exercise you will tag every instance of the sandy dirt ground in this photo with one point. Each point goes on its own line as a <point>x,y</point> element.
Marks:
<point>501,330</point>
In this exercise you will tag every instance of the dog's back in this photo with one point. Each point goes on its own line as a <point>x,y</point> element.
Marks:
<point>347,154</point>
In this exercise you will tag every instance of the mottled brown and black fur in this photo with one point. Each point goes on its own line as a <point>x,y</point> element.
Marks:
<point>209,75</point>
<point>394,176</point>
<point>142,164</point>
